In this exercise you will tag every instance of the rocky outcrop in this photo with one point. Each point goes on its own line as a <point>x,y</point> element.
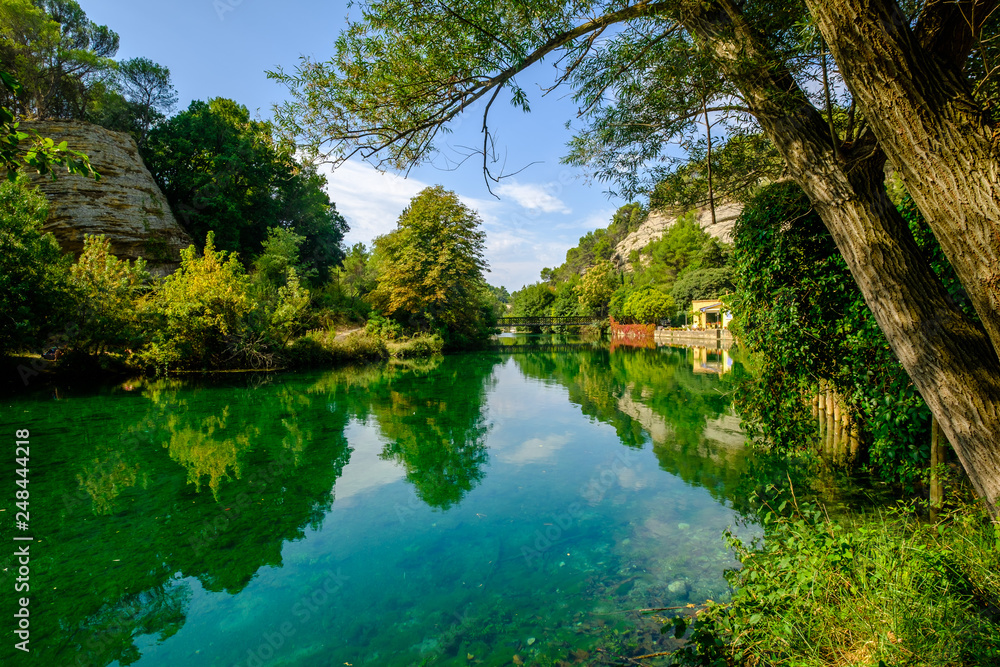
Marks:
<point>125,205</point>
<point>659,222</point>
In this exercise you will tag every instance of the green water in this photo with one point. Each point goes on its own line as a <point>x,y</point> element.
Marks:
<point>490,505</point>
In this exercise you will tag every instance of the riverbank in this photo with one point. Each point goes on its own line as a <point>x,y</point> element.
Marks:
<point>317,349</point>
<point>882,587</point>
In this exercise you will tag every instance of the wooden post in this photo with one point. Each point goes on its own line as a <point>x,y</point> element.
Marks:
<point>837,428</point>
<point>831,424</point>
<point>821,406</point>
<point>936,492</point>
<point>823,421</point>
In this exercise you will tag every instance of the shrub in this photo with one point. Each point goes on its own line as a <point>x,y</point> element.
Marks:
<point>199,315</point>
<point>867,590</point>
<point>640,305</point>
<point>107,292</point>
<point>383,328</point>
<point>799,311</point>
<point>34,288</point>
<point>421,345</point>
<point>323,348</point>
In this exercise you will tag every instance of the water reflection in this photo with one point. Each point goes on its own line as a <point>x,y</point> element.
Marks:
<point>161,495</point>
<point>711,360</point>
<point>656,394</point>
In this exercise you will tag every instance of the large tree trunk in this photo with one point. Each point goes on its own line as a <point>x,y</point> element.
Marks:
<point>950,360</point>
<point>933,131</point>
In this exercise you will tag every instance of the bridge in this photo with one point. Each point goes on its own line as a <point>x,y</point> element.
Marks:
<point>539,321</point>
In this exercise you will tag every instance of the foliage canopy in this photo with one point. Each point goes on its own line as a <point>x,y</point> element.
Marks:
<point>430,268</point>
<point>221,171</point>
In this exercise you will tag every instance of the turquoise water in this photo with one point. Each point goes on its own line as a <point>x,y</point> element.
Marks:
<point>487,509</point>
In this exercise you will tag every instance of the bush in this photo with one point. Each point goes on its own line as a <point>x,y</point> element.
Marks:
<point>107,292</point>
<point>323,348</point>
<point>798,310</point>
<point>701,284</point>
<point>199,315</point>
<point>383,328</point>
<point>640,305</point>
<point>869,590</point>
<point>34,280</point>
<point>421,345</point>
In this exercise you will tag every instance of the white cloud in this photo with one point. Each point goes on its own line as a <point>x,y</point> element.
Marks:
<point>596,220</point>
<point>369,200</point>
<point>519,242</point>
<point>517,256</point>
<point>533,196</point>
<point>534,450</point>
<point>366,470</point>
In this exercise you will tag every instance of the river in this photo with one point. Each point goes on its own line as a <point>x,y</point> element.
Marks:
<point>489,509</point>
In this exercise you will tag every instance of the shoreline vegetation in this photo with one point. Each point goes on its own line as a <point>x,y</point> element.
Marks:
<point>101,313</point>
<point>890,588</point>
<point>269,283</point>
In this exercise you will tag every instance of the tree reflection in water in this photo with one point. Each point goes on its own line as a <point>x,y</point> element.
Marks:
<point>212,478</point>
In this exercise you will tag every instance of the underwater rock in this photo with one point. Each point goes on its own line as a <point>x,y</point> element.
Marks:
<point>678,587</point>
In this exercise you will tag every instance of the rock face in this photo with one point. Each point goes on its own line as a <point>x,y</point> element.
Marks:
<point>125,205</point>
<point>659,222</point>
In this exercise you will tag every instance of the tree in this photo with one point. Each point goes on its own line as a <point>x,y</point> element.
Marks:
<point>280,255</point>
<point>567,299</point>
<point>223,172</point>
<point>56,52</point>
<point>532,300</point>
<point>640,305</point>
<point>799,312</point>
<point>738,167</point>
<point>356,274</point>
<point>430,268</point>
<point>406,69</point>
<point>597,245</point>
<point>276,287</point>
<point>146,87</point>
<point>709,283</point>
<point>678,249</point>
<point>199,314</point>
<point>42,154</point>
<point>597,286</point>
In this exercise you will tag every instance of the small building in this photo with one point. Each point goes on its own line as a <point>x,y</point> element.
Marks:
<point>709,314</point>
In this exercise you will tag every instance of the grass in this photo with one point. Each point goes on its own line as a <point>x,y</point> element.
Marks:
<point>872,589</point>
<point>324,347</point>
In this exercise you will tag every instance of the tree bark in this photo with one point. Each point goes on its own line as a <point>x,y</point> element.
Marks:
<point>950,360</point>
<point>934,132</point>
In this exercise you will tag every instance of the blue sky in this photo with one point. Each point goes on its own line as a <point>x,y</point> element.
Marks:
<point>221,48</point>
